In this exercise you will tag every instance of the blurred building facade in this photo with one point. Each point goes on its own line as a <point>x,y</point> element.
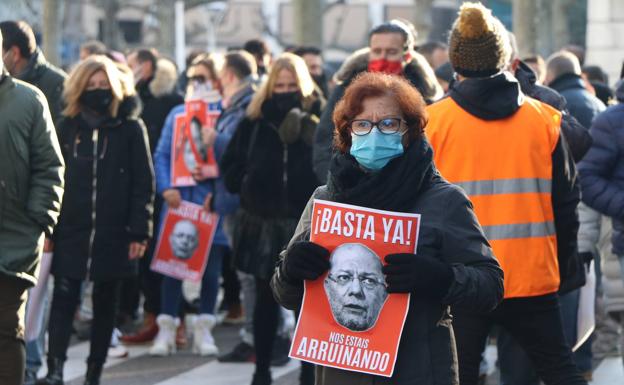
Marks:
<point>605,28</point>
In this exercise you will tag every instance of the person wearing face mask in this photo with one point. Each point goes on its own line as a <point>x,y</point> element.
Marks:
<point>155,80</point>
<point>106,219</point>
<point>314,60</point>
<point>25,61</point>
<point>269,163</point>
<point>203,85</point>
<point>385,162</point>
<point>390,50</point>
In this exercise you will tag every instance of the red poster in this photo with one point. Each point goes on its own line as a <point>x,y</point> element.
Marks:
<point>188,149</point>
<point>184,242</point>
<point>348,320</point>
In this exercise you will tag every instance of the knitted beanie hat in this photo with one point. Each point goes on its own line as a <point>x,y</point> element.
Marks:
<point>479,43</point>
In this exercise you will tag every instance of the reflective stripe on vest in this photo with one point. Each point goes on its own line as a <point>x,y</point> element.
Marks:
<point>505,167</point>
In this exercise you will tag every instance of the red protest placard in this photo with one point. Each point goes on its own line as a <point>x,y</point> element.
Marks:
<point>348,320</point>
<point>184,242</point>
<point>188,149</point>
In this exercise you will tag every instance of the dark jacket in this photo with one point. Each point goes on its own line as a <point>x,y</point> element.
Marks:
<point>274,179</point>
<point>31,177</point>
<point>269,165</point>
<point>499,97</point>
<point>49,79</point>
<point>577,136</point>
<point>581,104</point>
<point>226,203</point>
<point>109,196</point>
<point>158,96</point>
<point>602,169</point>
<point>417,71</point>
<point>426,350</point>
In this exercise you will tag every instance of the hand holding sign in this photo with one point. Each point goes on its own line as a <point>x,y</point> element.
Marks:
<point>305,260</point>
<point>422,274</point>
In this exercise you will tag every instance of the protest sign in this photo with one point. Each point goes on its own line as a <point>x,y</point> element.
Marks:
<point>188,149</point>
<point>348,320</point>
<point>184,242</point>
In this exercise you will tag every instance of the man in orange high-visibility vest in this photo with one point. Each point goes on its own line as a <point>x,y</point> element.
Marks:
<point>506,151</point>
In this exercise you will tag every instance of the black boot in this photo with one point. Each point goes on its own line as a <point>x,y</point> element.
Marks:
<point>55,372</point>
<point>261,378</point>
<point>94,372</point>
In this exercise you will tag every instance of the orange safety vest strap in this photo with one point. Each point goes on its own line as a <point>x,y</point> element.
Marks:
<point>506,186</point>
<point>519,230</point>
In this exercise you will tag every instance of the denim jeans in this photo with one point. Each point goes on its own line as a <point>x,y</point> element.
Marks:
<point>535,323</point>
<point>171,289</point>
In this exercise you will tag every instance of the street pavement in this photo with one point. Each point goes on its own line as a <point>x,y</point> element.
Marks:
<point>185,368</point>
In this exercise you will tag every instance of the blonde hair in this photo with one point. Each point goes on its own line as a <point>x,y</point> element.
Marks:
<point>120,80</point>
<point>295,65</point>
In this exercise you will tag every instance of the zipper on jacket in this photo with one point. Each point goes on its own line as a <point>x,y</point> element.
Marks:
<point>285,175</point>
<point>95,140</point>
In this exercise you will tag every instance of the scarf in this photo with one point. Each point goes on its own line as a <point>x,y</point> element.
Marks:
<point>394,187</point>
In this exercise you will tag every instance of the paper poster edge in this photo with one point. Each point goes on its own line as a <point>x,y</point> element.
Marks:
<point>376,211</point>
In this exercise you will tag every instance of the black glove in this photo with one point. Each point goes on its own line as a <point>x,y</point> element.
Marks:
<point>422,274</point>
<point>305,260</point>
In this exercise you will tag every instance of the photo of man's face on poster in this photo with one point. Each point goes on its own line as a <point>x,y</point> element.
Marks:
<point>184,239</point>
<point>355,286</point>
<point>196,136</point>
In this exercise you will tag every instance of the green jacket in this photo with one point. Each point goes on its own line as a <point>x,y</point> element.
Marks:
<point>31,177</point>
<point>49,79</point>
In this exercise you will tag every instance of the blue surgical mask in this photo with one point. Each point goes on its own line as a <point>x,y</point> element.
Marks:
<point>374,150</point>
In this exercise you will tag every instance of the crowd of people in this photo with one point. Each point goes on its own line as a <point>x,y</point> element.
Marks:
<point>513,163</point>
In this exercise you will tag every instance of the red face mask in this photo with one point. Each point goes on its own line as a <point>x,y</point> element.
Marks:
<point>386,66</point>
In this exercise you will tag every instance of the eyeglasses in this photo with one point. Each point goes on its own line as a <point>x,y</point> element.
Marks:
<point>387,126</point>
<point>344,279</point>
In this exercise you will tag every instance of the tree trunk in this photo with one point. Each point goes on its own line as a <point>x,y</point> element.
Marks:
<point>110,27</point>
<point>308,22</point>
<point>422,19</point>
<point>51,34</point>
<point>166,24</point>
<point>525,25</point>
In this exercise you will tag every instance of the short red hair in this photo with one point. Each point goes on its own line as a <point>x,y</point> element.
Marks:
<point>370,85</point>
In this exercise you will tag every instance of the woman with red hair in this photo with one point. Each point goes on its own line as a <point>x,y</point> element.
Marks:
<point>383,161</point>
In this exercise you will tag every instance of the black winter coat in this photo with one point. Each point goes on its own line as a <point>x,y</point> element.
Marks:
<point>155,109</point>
<point>274,179</point>
<point>449,225</point>
<point>108,197</point>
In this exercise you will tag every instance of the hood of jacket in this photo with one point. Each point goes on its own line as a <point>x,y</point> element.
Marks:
<point>492,98</point>
<point>567,82</point>
<point>417,71</point>
<point>165,78</point>
<point>528,84</point>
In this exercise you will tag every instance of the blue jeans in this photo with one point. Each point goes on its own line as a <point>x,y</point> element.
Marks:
<point>171,289</point>
<point>515,366</point>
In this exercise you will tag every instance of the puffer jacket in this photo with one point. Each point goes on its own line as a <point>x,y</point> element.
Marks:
<point>31,177</point>
<point>602,169</point>
<point>108,198</point>
<point>426,350</point>
<point>417,71</point>
<point>581,104</point>
<point>48,78</point>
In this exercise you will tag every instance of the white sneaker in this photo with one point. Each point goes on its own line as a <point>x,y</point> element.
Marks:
<point>203,342</point>
<point>164,343</point>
